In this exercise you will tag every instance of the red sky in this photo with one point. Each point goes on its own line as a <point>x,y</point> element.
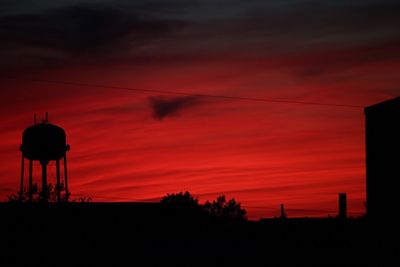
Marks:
<point>262,154</point>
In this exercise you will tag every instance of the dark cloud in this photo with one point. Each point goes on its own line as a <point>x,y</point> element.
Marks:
<point>50,32</point>
<point>164,107</point>
<point>84,30</point>
<point>309,23</point>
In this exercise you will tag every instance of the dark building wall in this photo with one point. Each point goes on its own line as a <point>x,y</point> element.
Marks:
<point>383,158</point>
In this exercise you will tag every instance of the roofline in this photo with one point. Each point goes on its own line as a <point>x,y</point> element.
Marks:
<point>390,104</point>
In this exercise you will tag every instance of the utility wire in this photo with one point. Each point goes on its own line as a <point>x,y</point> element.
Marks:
<point>137,200</point>
<point>105,197</point>
<point>169,92</point>
<point>7,189</point>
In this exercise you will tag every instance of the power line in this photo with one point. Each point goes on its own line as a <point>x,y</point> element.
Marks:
<point>138,200</point>
<point>170,92</point>
<point>105,197</point>
<point>7,189</point>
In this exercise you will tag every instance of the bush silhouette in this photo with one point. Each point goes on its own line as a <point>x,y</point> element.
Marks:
<point>37,195</point>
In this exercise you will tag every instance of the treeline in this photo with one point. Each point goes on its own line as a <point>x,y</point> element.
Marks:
<point>220,208</point>
<point>183,202</point>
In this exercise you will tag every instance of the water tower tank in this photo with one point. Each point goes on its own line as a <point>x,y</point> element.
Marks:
<point>44,142</point>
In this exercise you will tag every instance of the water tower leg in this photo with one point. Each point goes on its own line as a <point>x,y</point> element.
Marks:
<point>30,181</point>
<point>21,190</point>
<point>44,181</point>
<point>66,177</point>
<point>58,181</point>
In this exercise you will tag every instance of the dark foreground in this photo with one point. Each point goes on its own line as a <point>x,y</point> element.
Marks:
<point>133,234</point>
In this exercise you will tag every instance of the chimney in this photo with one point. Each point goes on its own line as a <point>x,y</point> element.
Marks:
<point>342,206</point>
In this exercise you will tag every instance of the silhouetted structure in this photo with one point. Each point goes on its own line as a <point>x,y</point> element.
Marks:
<point>44,142</point>
<point>382,158</point>
<point>119,234</point>
<point>283,212</point>
<point>342,206</point>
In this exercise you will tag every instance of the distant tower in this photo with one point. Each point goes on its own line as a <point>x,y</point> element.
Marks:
<point>383,158</point>
<point>342,206</point>
<point>283,212</point>
<point>44,142</point>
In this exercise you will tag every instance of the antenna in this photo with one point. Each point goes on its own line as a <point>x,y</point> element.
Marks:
<point>46,118</point>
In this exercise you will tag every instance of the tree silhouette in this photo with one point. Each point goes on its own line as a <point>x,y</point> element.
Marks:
<point>181,200</point>
<point>226,210</point>
<point>219,208</point>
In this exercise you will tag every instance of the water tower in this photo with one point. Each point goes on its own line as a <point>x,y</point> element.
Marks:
<point>44,142</point>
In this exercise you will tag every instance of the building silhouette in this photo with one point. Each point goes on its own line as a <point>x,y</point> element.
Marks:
<point>382,158</point>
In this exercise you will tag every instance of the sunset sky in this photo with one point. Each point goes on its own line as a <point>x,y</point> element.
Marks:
<point>129,145</point>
